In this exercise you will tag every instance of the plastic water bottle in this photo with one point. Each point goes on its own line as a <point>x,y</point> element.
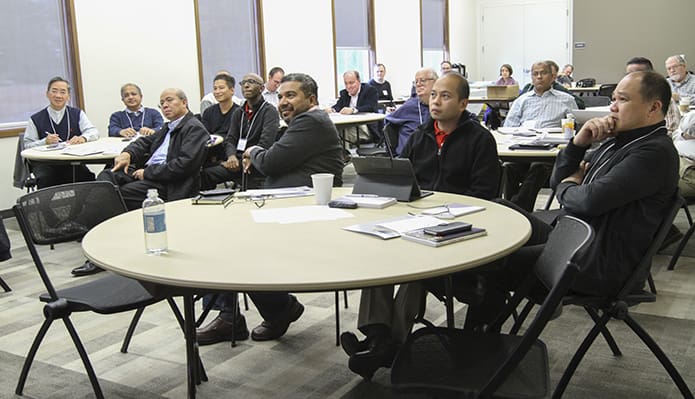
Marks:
<point>154,219</point>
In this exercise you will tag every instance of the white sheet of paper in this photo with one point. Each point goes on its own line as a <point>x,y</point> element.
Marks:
<point>299,214</point>
<point>411,223</point>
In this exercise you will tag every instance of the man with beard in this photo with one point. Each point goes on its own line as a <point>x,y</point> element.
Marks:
<point>309,145</point>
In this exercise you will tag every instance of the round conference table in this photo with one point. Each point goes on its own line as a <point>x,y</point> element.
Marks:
<point>215,248</point>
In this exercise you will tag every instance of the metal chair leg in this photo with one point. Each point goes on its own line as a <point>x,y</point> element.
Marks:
<point>337,318</point>
<point>131,330</point>
<point>30,356</point>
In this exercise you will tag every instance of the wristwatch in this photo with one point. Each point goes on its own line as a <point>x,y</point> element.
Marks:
<point>354,110</point>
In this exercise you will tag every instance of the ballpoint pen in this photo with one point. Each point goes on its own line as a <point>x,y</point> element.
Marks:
<point>362,195</point>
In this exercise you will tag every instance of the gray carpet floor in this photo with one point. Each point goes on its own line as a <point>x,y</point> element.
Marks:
<point>305,363</point>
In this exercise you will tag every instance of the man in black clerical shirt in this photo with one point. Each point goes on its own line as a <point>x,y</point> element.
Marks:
<point>256,122</point>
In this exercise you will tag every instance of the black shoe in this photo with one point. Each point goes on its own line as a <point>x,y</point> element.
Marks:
<point>268,331</point>
<point>351,344</point>
<point>380,354</point>
<point>220,330</point>
<point>86,269</point>
<point>347,156</point>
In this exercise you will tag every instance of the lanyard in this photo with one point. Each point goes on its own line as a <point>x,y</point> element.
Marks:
<point>53,125</point>
<point>142,122</point>
<point>419,112</point>
<point>253,119</point>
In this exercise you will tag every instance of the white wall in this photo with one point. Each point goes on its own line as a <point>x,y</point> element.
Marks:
<point>151,43</point>
<point>463,35</point>
<point>299,37</point>
<point>398,41</point>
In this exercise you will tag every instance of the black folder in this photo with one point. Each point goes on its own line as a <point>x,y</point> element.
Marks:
<point>387,177</point>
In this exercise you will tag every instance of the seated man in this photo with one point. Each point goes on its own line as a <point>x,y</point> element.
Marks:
<point>556,85</point>
<point>415,111</point>
<point>544,106</point>
<point>217,118</point>
<point>256,122</point>
<point>309,145</point>
<point>450,153</point>
<point>56,123</point>
<point>209,98</point>
<point>682,82</point>
<point>357,97</point>
<point>631,176</point>
<point>270,90</point>
<point>168,160</point>
<point>135,119</point>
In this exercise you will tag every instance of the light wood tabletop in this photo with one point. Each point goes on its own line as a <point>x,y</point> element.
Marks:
<point>212,247</point>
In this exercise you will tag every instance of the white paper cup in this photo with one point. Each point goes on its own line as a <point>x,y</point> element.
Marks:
<point>323,187</point>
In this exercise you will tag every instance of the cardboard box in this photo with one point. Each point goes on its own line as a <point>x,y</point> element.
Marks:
<point>502,92</point>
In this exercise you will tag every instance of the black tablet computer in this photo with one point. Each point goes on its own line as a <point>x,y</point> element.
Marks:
<point>387,177</point>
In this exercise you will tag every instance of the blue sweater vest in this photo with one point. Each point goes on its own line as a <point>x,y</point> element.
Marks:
<point>45,125</point>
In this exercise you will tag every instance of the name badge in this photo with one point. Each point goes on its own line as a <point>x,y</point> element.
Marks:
<point>386,93</point>
<point>241,144</point>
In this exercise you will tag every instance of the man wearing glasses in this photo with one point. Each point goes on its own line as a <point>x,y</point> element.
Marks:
<point>682,82</point>
<point>415,111</point>
<point>177,153</point>
<point>255,122</point>
<point>59,123</point>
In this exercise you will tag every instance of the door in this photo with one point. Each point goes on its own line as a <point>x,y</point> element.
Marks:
<point>521,33</point>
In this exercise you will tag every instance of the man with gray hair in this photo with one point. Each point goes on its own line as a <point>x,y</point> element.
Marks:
<point>682,81</point>
<point>135,118</point>
<point>168,160</point>
<point>414,112</point>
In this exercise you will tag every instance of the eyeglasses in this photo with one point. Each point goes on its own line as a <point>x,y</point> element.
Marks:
<point>421,81</point>
<point>540,73</point>
<point>249,81</point>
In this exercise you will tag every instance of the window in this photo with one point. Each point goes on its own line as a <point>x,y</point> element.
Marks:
<point>36,46</point>
<point>434,38</point>
<point>229,39</point>
<point>353,38</point>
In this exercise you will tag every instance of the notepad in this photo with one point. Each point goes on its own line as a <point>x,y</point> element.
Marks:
<point>369,201</point>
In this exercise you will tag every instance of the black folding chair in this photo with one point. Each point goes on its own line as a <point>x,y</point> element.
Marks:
<point>66,213</point>
<point>602,309</point>
<point>446,360</point>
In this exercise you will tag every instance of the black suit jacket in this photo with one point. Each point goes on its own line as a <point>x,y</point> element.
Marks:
<point>367,99</point>
<point>187,149</point>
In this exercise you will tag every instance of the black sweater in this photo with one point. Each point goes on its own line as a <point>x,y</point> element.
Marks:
<point>467,163</point>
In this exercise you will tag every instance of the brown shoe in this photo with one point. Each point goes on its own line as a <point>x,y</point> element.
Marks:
<point>268,331</point>
<point>220,330</point>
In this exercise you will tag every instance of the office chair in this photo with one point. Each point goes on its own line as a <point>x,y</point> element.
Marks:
<point>445,360</point>
<point>66,213</point>
<point>606,90</point>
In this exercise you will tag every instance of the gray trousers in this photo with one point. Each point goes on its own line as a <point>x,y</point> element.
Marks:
<point>378,306</point>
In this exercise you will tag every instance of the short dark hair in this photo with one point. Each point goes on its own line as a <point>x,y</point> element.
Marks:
<point>307,84</point>
<point>229,79</point>
<point>654,87</point>
<point>275,70</point>
<point>380,65</point>
<point>57,79</point>
<point>509,68</point>
<point>130,84</point>
<point>641,61</point>
<point>463,90</point>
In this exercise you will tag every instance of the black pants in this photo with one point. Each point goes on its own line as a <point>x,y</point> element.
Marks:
<point>134,191</point>
<point>48,175</point>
